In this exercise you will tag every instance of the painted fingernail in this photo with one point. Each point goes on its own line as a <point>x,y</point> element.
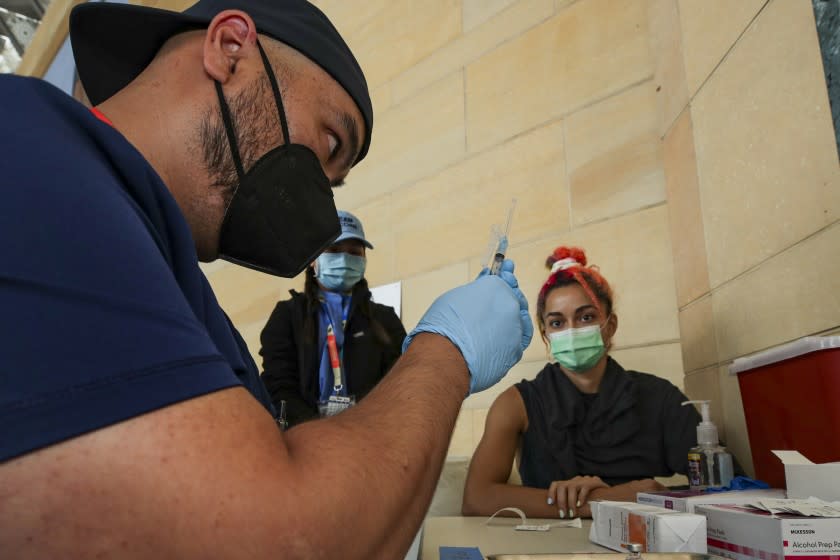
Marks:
<point>550,501</point>
<point>578,503</point>
<point>562,514</point>
<point>571,513</point>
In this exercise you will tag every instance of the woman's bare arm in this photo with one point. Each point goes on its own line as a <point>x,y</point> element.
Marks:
<point>487,490</point>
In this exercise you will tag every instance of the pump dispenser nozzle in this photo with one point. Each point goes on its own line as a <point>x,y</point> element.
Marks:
<point>707,433</point>
<point>709,464</point>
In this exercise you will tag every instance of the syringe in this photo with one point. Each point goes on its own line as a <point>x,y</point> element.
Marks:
<point>497,254</point>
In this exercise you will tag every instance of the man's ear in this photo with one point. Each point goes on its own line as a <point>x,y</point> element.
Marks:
<point>230,36</point>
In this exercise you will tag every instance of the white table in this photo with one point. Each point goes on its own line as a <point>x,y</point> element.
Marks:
<point>501,538</point>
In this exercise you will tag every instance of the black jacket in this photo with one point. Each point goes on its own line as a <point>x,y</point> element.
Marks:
<point>634,427</point>
<point>290,356</point>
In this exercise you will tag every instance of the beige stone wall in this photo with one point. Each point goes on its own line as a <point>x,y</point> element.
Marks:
<point>753,185</point>
<point>477,101</point>
<point>686,144</point>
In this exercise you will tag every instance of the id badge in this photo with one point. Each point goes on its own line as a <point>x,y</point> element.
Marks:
<point>336,404</point>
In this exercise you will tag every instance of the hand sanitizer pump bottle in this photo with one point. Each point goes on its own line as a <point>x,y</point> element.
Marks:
<point>709,464</point>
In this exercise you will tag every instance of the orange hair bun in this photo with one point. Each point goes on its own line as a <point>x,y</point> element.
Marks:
<point>564,252</point>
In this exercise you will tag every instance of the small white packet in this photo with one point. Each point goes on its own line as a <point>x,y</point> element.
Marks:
<point>525,526</point>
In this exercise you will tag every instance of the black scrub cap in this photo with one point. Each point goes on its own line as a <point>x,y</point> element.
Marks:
<point>113,43</point>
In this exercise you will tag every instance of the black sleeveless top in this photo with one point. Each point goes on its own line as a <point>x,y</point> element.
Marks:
<point>633,428</point>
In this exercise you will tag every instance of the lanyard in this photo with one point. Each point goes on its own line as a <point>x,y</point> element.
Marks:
<point>332,346</point>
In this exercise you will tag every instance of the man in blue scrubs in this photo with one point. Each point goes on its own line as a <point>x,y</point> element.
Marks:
<point>132,420</point>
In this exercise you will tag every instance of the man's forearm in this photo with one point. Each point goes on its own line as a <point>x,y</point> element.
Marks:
<point>189,480</point>
<point>389,449</point>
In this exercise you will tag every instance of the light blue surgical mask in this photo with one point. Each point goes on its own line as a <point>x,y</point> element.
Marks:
<point>577,350</point>
<point>339,272</point>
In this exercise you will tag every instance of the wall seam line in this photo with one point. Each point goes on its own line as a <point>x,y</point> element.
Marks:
<point>470,155</point>
<point>469,61</point>
<point>728,52</point>
<point>790,247</point>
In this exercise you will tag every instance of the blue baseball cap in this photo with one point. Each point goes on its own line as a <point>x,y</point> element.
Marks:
<point>351,228</point>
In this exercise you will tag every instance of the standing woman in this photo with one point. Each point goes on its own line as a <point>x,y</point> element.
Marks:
<point>585,427</point>
<point>326,348</point>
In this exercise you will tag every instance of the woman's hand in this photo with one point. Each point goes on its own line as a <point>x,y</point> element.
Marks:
<point>570,495</point>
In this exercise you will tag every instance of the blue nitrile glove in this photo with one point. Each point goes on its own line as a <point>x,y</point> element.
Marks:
<point>487,320</point>
<point>741,483</point>
<point>506,274</point>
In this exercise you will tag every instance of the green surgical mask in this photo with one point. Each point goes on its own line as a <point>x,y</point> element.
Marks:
<point>577,350</point>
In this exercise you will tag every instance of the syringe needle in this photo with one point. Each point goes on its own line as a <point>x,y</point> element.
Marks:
<point>510,216</point>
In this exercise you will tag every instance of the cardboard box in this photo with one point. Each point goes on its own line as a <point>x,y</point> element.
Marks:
<point>617,524</point>
<point>805,479</point>
<point>687,500</point>
<point>746,534</point>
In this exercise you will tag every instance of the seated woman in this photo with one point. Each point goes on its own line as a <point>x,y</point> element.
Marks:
<point>366,337</point>
<point>585,428</point>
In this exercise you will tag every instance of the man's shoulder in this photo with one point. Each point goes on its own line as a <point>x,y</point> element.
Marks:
<point>84,199</point>
<point>47,133</point>
<point>56,150</point>
<point>22,86</point>
<point>34,101</point>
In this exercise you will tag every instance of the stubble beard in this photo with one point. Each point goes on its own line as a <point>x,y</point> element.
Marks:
<point>256,128</point>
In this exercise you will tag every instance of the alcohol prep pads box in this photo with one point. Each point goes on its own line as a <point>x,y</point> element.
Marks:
<point>617,524</point>
<point>688,500</point>
<point>746,534</point>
